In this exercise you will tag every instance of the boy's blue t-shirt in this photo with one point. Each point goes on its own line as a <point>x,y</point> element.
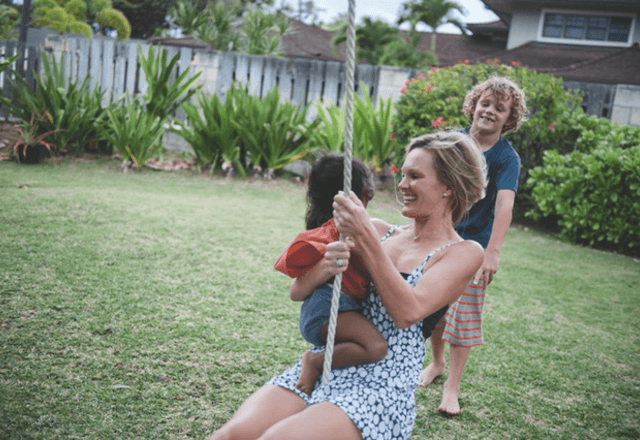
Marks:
<point>503,171</point>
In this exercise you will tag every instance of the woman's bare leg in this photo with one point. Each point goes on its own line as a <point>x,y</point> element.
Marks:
<point>318,422</point>
<point>263,409</point>
<point>357,342</point>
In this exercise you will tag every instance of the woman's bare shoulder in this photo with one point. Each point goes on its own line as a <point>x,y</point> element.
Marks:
<point>470,249</point>
<point>381,226</point>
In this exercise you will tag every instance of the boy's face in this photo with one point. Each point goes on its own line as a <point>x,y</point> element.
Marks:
<point>491,113</point>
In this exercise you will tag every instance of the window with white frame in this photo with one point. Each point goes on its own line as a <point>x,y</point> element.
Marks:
<point>587,28</point>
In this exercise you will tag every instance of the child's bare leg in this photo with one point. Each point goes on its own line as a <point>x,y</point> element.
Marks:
<point>457,359</point>
<point>436,367</point>
<point>357,342</point>
<point>310,371</point>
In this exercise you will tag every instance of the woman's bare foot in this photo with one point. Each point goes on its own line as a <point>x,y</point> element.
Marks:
<point>310,371</point>
<point>430,373</point>
<point>449,405</point>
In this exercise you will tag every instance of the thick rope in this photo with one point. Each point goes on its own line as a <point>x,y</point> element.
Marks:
<point>348,138</point>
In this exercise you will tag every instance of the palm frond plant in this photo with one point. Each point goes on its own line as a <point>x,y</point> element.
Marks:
<point>211,133</point>
<point>375,125</point>
<point>26,144</point>
<point>71,108</point>
<point>275,132</point>
<point>134,132</point>
<point>331,132</point>
<point>164,95</point>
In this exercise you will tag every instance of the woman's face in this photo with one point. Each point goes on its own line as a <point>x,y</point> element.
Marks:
<point>491,113</point>
<point>422,192</point>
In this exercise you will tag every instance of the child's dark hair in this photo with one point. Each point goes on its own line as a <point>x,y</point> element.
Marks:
<point>326,179</point>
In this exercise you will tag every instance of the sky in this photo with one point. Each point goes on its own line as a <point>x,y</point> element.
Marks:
<point>387,10</point>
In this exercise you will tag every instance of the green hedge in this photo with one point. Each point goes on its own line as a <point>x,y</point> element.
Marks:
<point>433,101</point>
<point>595,197</point>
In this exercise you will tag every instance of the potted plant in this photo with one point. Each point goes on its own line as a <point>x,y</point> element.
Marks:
<point>26,144</point>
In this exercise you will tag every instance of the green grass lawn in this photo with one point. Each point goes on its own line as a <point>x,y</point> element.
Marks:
<point>145,306</point>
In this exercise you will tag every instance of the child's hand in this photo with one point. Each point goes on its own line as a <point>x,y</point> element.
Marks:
<point>335,261</point>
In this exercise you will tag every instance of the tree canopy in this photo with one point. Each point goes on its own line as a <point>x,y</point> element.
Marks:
<point>432,13</point>
<point>80,17</point>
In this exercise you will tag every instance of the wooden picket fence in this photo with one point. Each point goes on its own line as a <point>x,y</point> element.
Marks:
<point>114,67</point>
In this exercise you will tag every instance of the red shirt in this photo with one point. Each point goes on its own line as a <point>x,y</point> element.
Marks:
<point>309,247</point>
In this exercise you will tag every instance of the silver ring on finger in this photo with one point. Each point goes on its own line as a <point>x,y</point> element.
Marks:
<point>339,262</point>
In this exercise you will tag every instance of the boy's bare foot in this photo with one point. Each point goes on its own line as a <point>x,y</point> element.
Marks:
<point>430,373</point>
<point>449,405</point>
<point>310,371</point>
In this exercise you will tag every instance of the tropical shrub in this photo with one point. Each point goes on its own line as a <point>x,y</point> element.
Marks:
<point>81,17</point>
<point>210,132</point>
<point>373,140</point>
<point>163,94</point>
<point>274,131</point>
<point>67,109</point>
<point>244,131</point>
<point>373,125</point>
<point>594,197</point>
<point>133,131</point>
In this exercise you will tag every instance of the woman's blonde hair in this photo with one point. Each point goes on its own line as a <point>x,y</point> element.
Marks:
<point>502,87</point>
<point>460,166</point>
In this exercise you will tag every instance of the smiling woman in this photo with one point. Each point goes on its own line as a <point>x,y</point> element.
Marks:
<point>417,271</point>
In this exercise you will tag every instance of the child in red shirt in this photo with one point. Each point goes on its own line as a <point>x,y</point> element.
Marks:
<point>357,340</point>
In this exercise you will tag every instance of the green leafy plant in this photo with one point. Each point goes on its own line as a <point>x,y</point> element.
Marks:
<point>275,132</point>
<point>188,16</point>
<point>71,109</point>
<point>80,17</point>
<point>374,126</point>
<point>9,22</point>
<point>211,133</point>
<point>262,32</point>
<point>595,197</point>
<point>164,95</point>
<point>25,143</point>
<point>331,132</point>
<point>134,132</point>
<point>373,139</point>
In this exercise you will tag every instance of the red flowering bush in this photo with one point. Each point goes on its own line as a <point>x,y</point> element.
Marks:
<point>433,101</point>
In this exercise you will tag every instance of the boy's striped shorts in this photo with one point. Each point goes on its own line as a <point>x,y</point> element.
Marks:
<point>463,321</point>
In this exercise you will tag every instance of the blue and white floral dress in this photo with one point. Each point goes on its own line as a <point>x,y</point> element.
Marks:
<point>378,397</point>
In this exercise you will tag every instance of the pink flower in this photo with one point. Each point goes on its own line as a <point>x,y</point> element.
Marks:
<point>433,70</point>
<point>403,90</point>
<point>428,87</point>
<point>438,122</point>
<point>515,63</point>
<point>552,126</point>
<point>392,137</point>
<point>394,169</point>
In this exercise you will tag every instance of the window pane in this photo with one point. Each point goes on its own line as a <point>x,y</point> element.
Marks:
<point>572,32</point>
<point>554,19</point>
<point>552,31</point>
<point>619,29</point>
<point>596,34</point>
<point>575,20</point>
<point>597,22</point>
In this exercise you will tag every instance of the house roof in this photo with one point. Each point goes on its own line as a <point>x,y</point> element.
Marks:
<point>312,42</point>
<point>587,64</point>
<point>592,65</point>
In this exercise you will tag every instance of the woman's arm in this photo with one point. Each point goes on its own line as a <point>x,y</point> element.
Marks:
<point>441,284</point>
<point>324,270</point>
